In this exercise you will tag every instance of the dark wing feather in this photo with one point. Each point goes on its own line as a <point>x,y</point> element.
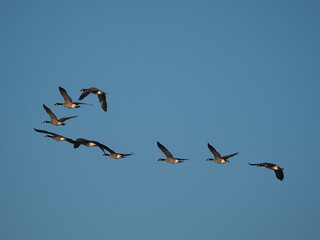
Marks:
<point>126,154</point>
<point>50,113</point>
<point>43,131</point>
<point>214,151</point>
<point>65,95</point>
<point>258,164</point>
<point>101,146</point>
<point>106,148</point>
<point>229,156</point>
<point>85,93</point>
<point>279,174</point>
<point>66,118</point>
<point>164,150</point>
<point>70,140</point>
<point>103,101</point>
<point>79,141</point>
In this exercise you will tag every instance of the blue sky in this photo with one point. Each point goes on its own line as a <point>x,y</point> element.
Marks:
<point>241,75</point>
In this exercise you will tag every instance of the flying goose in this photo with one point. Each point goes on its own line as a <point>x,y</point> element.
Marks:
<point>101,96</point>
<point>54,120</point>
<point>113,154</point>
<point>170,158</point>
<point>55,136</point>
<point>217,157</point>
<point>68,103</point>
<point>88,143</point>
<point>277,170</point>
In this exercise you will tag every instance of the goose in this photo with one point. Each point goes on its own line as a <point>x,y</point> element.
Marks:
<point>113,154</point>
<point>277,170</point>
<point>217,157</point>
<point>55,136</point>
<point>54,120</point>
<point>68,103</point>
<point>170,158</point>
<point>87,143</point>
<point>101,96</point>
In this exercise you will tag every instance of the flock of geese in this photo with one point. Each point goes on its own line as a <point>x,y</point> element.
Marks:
<point>68,103</point>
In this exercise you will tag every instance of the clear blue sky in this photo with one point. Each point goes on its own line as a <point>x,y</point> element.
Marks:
<point>242,75</point>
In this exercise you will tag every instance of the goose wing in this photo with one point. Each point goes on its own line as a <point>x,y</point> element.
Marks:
<point>65,95</point>
<point>43,131</point>
<point>103,101</point>
<point>66,118</point>
<point>229,156</point>
<point>79,141</point>
<point>164,150</point>
<point>50,113</point>
<point>279,174</point>
<point>86,92</point>
<point>214,151</point>
<point>106,148</point>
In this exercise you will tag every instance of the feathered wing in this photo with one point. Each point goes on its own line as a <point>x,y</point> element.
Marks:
<point>164,150</point>
<point>78,142</point>
<point>70,140</point>
<point>279,174</point>
<point>85,93</point>
<point>43,131</point>
<point>258,164</point>
<point>103,101</point>
<point>214,151</point>
<point>66,118</point>
<point>65,95</point>
<point>50,113</point>
<point>229,156</point>
<point>104,147</point>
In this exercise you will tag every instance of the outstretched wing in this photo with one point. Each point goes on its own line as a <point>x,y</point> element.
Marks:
<point>106,148</point>
<point>66,118</point>
<point>65,95</point>
<point>126,154</point>
<point>229,156</point>
<point>164,150</point>
<point>43,131</point>
<point>85,93</point>
<point>258,164</point>
<point>103,101</point>
<point>214,151</point>
<point>50,113</point>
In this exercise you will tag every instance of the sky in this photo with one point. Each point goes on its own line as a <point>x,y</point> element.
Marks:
<point>240,75</point>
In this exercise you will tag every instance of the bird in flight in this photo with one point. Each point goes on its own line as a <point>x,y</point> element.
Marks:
<point>54,120</point>
<point>101,96</point>
<point>277,170</point>
<point>217,157</point>
<point>170,158</point>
